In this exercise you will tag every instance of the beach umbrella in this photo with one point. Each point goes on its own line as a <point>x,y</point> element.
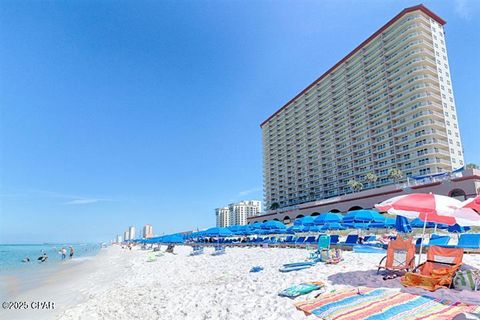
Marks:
<point>173,238</point>
<point>428,208</point>
<point>305,221</point>
<point>472,203</point>
<point>296,228</point>
<point>218,232</point>
<point>273,225</point>
<point>418,223</point>
<point>328,217</point>
<point>332,226</point>
<point>256,225</point>
<point>365,216</point>
<point>402,224</point>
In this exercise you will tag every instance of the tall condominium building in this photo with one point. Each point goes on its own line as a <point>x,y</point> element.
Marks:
<point>131,233</point>
<point>118,238</point>
<point>126,236</point>
<point>388,104</point>
<point>223,217</point>
<point>147,231</point>
<point>237,213</point>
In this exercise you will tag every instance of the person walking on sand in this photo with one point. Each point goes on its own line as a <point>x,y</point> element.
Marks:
<point>71,252</point>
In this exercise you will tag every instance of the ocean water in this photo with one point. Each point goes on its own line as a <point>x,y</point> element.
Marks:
<point>17,277</point>
<point>11,255</point>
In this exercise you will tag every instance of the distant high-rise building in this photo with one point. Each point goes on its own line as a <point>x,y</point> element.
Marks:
<point>126,236</point>
<point>223,217</point>
<point>237,213</point>
<point>147,231</point>
<point>388,104</point>
<point>131,233</point>
<point>118,239</point>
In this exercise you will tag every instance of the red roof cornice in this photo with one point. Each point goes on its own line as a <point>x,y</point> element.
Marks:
<point>419,7</point>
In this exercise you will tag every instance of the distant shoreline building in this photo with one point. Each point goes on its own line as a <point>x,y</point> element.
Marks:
<point>131,233</point>
<point>237,213</point>
<point>147,231</point>
<point>388,104</point>
<point>126,236</point>
<point>118,238</point>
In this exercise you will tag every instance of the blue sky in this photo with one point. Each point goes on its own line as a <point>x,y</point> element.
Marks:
<point>118,113</point>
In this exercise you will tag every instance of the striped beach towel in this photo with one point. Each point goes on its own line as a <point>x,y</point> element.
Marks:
<point>381,303</point>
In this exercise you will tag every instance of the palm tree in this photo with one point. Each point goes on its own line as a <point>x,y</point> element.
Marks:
<point>472,166</point>
<point>371,177</point>
<point>355,185</point>
<point>395,174</point>
<point>274,206</point>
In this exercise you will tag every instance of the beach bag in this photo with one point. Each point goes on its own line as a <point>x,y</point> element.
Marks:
<point>467,280</point>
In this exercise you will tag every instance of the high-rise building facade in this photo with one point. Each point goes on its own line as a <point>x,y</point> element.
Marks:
<point>388,104</point>
<point>147,231</point>
<point>237,213</point>
<point>118,238</point>
<point>131,233</point>
<point>223,217</point>
<point>126,236</point>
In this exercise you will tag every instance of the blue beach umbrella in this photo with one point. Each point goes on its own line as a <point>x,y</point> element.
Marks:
<point>364,216</point>
<point>218,232</point>
<point>305,221</point>
<point>332,226</point>
<point>273,225</point>
<point>328,217</point>
<point>402,224</point>
<point>256,225</point>
<point>296,228</point>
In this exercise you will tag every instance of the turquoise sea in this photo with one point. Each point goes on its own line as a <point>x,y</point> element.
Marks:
<point>17,276</point>
<point>11,255</point>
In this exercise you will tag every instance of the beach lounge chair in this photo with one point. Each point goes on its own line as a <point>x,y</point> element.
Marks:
<point>310,240</point>
<point>351,240</point>
<point>218,250</point>
<point>334,238</point>
<point>437,271</point>
<point>300,240</point>
<point>197,250</point>
<point>400,256</point>
<point>469,241</point>
<point>170,248</point>
<point>435,240</point>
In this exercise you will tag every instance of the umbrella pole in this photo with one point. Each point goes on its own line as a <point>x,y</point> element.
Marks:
<point>423,235</point>
<point>435,230</point>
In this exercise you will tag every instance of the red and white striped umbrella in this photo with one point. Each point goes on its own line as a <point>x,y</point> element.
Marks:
<point>430,208</point>
<point>472,203</point>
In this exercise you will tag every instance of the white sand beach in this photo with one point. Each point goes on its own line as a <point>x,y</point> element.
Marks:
<point>121,284</point>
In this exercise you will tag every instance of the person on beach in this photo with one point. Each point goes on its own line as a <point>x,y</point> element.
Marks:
<point>71,252</point>
<point>63,251</point>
